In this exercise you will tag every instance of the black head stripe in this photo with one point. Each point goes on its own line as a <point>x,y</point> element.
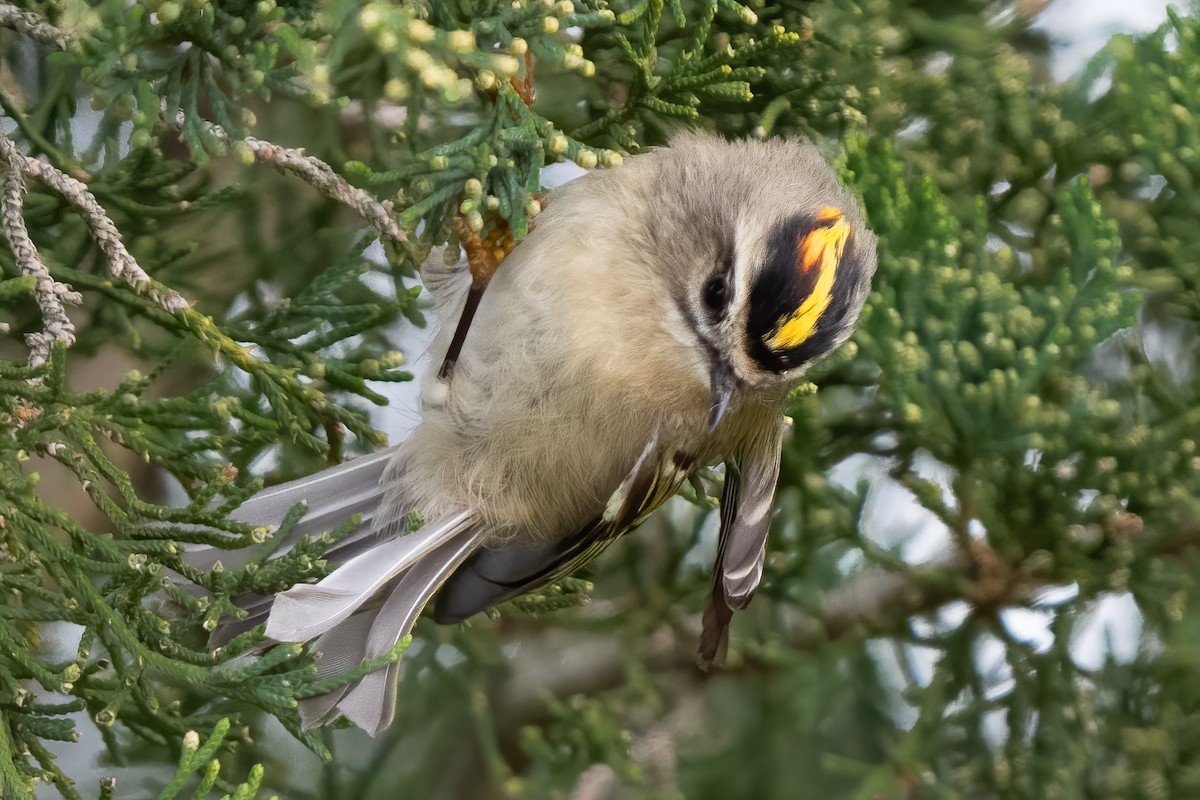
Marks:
<point>780,288</point>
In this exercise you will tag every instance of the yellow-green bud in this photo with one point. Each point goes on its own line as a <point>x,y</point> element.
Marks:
<point>387,41</point>
<point>369,19</point>
<point>461,41</point>
<point>586,159</point>
<point>507,64</point>
<point>243,153</point>
<point>458,90</point>
<point>395,89</point>
<point>421,31</point>
<point>168,13</point>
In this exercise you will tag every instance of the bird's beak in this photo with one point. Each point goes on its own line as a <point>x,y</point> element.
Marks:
<point>723,384</point>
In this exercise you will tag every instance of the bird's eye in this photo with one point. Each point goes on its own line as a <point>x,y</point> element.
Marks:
<point>716,293</point>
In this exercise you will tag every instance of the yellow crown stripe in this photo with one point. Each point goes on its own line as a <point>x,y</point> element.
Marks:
<point>822,248</point>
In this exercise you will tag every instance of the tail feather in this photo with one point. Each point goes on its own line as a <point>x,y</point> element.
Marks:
<point>307,610</point>
<point>341,613</point>
<point>332,496</point>
<point>320,710</point>
<point>371,703</point>
<point>344,647</point>
<point>338,651</point>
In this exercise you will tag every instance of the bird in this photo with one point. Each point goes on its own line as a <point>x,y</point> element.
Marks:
<point>652,323</point>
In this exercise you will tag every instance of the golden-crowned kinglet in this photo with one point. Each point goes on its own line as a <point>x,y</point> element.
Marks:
<point>652,323</point>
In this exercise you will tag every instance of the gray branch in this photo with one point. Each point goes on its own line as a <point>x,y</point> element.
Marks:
<point>33,26</point>
<point>121,263</point>
<point>319,175</point>
<point>51,296</point>
<point>311,170</point>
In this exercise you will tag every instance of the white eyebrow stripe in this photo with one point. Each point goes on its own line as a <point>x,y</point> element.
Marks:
<point>744,257</point>
<point>682,332</point>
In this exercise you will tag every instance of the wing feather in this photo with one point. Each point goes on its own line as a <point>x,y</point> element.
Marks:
<point>492,576</point>
<point>745,521</point>
<point>307,610</point>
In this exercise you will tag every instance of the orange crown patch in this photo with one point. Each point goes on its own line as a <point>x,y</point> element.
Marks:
<point>821,249</point>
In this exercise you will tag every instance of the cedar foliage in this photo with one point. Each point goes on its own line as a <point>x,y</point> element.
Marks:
<point>1022,380</point>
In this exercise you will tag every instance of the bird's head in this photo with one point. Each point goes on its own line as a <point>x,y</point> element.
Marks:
<point>777,264</point>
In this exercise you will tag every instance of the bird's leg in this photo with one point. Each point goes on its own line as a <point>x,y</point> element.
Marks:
<point>484,255</point>
<point>524,86</point>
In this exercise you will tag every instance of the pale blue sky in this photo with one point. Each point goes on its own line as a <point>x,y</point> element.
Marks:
<point>1083,26</point>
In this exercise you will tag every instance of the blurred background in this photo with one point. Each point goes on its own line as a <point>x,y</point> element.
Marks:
<point>981,574</point>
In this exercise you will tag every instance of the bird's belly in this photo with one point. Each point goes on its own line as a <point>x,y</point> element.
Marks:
<point>540,457</point>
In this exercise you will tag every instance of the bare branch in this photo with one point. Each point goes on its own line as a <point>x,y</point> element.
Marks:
<point>321,177</point>
<point>311,170</point>
<point>33,26</point>
<point>121,263</point>
<point>51,296</point>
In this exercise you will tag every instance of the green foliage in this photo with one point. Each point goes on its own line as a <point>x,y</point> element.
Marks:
<point>197,759</point>
<point>1011,381</point>
<point>1145,130</point>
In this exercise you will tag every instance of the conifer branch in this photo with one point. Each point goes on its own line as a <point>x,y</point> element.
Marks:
<point>52,297</point>
<point>994,362</point>
<point>122,265</point>
<point>293,161</point>
<point>34,26</point>
<point>315,172</point>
